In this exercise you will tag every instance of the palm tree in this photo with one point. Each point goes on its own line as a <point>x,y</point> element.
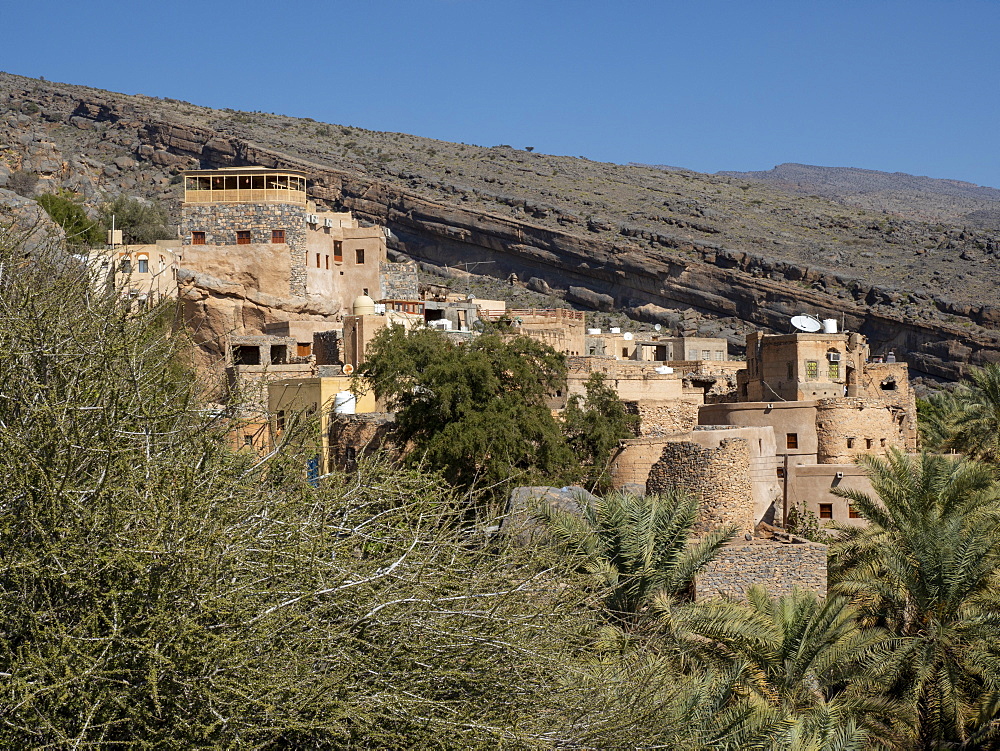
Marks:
<point>637,547</point>
<point>926,569</point>
<point>977,424</point>
<point>805,656</point>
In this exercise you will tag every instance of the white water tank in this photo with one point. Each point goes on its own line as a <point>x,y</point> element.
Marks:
<point>593,332</point>
<point>615,330</point>
<point>829,325</point>
<point>345,403</point>
<point>363,306</point>
<point>664,369</point>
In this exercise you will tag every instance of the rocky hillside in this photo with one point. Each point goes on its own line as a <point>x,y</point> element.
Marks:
<point>641,240</point>
<point>896,193</point>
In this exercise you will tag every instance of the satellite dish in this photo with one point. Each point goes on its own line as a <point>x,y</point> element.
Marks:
<point>806,323</point>
<point>657,327</point>
<point>348,369</point>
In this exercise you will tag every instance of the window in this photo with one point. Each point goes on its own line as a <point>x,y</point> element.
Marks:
<point>327,259</point>
<point>303,349</point>
<point>791,440</point>
<point>125,265</point>
<point>279,354</point>
<point>359,255</point>
<point>869,443</point>
<point>853,513</point>
<point>692,354</point>
<point>720,355</point>
<point>881,442</point>
<point>197,238</point>
<point>789,369</point>
<point>338,251</point>
<point>834,371</point>
<point>812,370</point>
<point>781,472</point>
<point>826,511</point>
<point>317,260</point>
<point>277,235</point>
<point>243,237</point>
<point>350,453</point>
<point>246,354</point>
<point>624,351</point>
<point>143,265</point>
<point>706,354</point>
<point>248,440</point>
<point>280,420</point>
<point>850,443</point>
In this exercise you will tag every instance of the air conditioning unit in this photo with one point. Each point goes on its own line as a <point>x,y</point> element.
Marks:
<point>833,356</point>
<point>328,222</point>
<point>312,219</point>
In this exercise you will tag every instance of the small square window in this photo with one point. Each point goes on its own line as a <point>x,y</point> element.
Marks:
<point>792,440</point>
<point>781,472</point>
<point>277,235</point>
<point>359,255</point>
<point>826,511</point>
<point>812,370</point>
<point>869,442</point>
<point>197,238</point>
<point>853,513</point>
<point>850,443</point>
<point>243,237</point>
<point>248,440</point>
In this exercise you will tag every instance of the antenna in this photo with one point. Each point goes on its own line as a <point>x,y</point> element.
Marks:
<point>806,323</point>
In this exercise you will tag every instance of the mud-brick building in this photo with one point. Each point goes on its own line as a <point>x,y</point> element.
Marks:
<point>237,221</point>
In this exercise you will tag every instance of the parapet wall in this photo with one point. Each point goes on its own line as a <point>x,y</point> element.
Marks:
<point>778,566</point>
<point>719,477</point>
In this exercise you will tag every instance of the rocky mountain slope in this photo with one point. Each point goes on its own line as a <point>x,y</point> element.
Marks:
<point>931,198</point>
<point>639,239</point>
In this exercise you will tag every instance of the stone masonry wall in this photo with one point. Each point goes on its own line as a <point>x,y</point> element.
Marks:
<point>399,281</point>
<point>666,417</point>
<point>777,566</point>
<point>719,477</point>
<point>847,427</point>
<point>354,436</point>
<point>221,221</point>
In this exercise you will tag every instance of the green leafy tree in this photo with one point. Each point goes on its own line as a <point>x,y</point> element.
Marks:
<point>141,222</point>
<point>595,426</point>
<point>926,570</point>
<point>72,217</point>
<point>160,590</point>
<point>475,411</point>
<point>636,547</point>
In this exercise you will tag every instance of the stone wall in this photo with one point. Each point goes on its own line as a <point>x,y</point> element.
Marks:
<point>851,426</point>
<point>354,436</point>
<point>399,281</point>
<point>776,565</point>
<point>665,417</point>
<point>221,221</point>
<point>719,477</point>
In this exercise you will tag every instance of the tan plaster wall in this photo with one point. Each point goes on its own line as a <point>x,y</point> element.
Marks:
<point>783,417</point>
<point>811,485</point>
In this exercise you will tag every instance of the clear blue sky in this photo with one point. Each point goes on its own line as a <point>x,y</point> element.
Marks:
<point>899,86</point>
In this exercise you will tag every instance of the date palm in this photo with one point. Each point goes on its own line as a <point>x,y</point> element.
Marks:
<point>637,547</point>
<point>806,656</point>
<point>926,570</point>
<point>976,425</point>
